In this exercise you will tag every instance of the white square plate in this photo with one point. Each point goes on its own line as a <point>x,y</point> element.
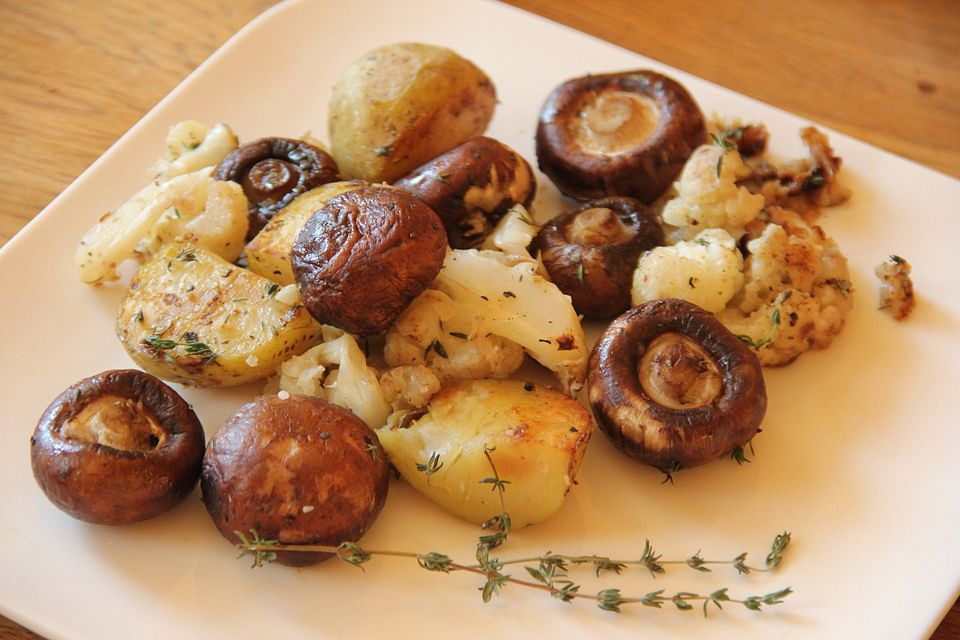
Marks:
<point>858,456</point>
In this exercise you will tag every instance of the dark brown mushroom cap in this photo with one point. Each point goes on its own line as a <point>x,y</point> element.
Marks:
<point>362,258</point>
<point>673,388</point>
<point>592,251</point>
<point>298,470</point>
<point>644,169</point>
<point>106,485</point>
<point>471,187</point>
<point>274,171</point>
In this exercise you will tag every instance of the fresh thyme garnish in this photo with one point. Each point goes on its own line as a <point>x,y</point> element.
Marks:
<point>187,254</point>
<point>723,141</point>
<point>580,272</point>
<point>191,345</point>
<point>457,334</point>
<point>272,289</point>
<point>444,178</point>
<point>774,328</point>
<point>550,574</point>
<point>437,346</point>
<point>383,151</point>
<point>525,220</point>
<point>431,466</point>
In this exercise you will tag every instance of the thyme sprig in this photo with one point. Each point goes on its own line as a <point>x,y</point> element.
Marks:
<point>190,344</point>
<point>549,575</point>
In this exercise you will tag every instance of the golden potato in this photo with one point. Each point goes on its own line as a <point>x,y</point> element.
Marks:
<point>539,436</point>
<point>194,318</point>
<point>401,105</point>
<point>268,254</point>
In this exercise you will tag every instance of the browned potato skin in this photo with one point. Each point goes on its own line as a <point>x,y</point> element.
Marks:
<point>402,104</point>
<point>362,258</point>
<point>643,172</point>
<point>103,485</point>
<point>449,182</point>
<point>329,492</point>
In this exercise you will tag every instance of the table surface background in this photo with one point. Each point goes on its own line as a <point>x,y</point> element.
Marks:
<point>74,76</point>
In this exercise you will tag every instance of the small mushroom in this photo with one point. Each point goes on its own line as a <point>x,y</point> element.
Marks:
<point>274,171</point>
<point>297,470</point>
<point>673,388</point>
<point>116,448</point>
<point>618,134</point>
<point>365,255</point>
<point>471,187</point>
<point>591,252</point>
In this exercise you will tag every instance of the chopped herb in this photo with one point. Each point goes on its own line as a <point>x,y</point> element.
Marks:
<point>432,465</point>
<point>187,254</point>
<point>383,151</point>
<point>580,272</point>
<point>192,146</point>
<point>138,316</point>
<point>509,294</point>
<point>272,289</point>
<point>691,282</point>
<point>544,340</point>
<point>457,334</point>
<point>437,346</point>
<point>444,178</point>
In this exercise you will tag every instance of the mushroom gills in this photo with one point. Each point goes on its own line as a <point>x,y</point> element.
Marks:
<point>616,122</point>
<point>598,226</point>
<point>120,423</point>
<point>678,373</point>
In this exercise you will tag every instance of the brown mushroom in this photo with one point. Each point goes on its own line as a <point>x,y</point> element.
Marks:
<point>118,447</point>
<point>618,134</point>
<point>297,470</point>
<point>274,171</point>
<point>591,252</point>
<point>673,388</point>
<point>365,255</point>
<point>471,186</point>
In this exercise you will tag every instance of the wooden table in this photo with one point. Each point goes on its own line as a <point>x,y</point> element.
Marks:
<point>75,75</point>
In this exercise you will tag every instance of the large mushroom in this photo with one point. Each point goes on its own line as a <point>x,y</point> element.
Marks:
<point>365,255</point>
<point>471,187</point>
<point>274,171</point>
<point>673,388</point>
<point>592,250</point>
<point>618,134</point>
<point>116,448</point>
<point>297,470</point>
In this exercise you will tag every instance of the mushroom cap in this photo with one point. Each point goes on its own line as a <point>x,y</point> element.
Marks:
<point>123,483</point>
<point>274,171</point>
<point>298,470</point>
<point>673,388</point>
<point>471,187</point>
<point>614,134</point>
<point>595,267</point>
<point>363,257</point>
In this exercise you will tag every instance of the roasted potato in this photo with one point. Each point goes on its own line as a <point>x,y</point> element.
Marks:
<point>298,470</point>
<point>403,104</point>
<point>536,437</point>
<point>268,254</point>
<point>194,318</point>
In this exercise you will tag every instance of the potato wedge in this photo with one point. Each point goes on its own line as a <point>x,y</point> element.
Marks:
<point>539,436</point>
<point>403,104</point>
<point>268,254</point>
<point>194,318</point>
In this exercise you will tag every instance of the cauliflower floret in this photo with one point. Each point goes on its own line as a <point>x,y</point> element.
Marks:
<point>409,387</point>
<point>336,370</point>
<point>431,332</point>
<point>707,191</point>
<point>193,208</point>
<point>896,287</point>
<point>191,146</point>
<point>797,291</point>
<point>705,271</point>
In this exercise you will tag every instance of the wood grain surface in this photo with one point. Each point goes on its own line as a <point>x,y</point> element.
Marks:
<point>75,75</point>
